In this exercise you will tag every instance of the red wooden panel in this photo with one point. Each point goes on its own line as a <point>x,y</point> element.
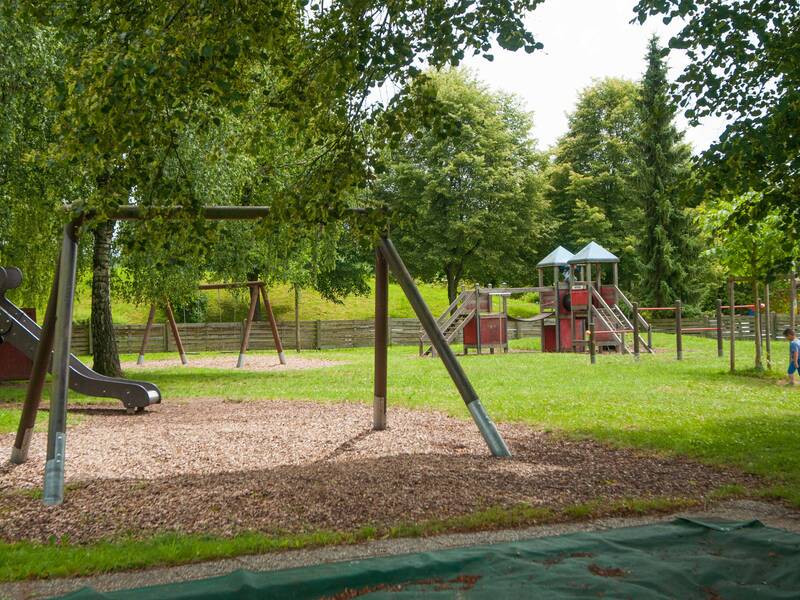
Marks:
<point>14,365</point>
<point>580,298</point>
<point>493,330</point>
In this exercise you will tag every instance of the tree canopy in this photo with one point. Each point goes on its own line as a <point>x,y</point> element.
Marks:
<point>463,187</point>
<point>745,66</point>
<point>591,179</point>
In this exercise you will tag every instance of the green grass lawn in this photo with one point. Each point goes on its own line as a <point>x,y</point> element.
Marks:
<point>693,407</point>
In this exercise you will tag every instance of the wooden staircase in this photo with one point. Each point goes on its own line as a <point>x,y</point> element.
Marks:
<point>610,319</point>
<point>452,321</point>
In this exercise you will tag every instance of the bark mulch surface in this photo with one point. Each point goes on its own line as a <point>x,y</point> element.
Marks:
<point>252,362</point>
<point>217,467</point>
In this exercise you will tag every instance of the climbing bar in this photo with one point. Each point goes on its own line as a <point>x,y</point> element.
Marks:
<point>735,306</point>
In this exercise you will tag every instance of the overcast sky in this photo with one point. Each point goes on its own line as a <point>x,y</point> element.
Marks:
<point>583,40</point>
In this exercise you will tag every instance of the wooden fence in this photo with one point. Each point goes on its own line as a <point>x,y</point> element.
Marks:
<point>222,337</point>
<point>316,335</point>
<point>744,329</point>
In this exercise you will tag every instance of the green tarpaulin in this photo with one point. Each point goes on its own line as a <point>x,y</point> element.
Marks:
<point>683,559</point>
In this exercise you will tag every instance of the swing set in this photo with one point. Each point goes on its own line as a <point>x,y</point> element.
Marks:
<point>57,334</point>
<point>258,291</point>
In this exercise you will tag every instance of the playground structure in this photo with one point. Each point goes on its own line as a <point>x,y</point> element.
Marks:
<point>571,306</point>
<point>581,312</point>
<point>258,291</point>
<point>22,332</point>
<point>54,339</point>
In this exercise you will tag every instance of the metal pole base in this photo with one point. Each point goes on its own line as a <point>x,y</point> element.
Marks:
<point>379,413</point>
<point>140,360</point>
<point>488,430</point>
<point>240,361</point>
<point>282,358</point>
<point>54,474</point>
<point>20,455</point>
<point>184,361</point>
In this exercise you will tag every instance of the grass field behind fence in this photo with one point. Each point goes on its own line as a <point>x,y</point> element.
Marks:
<point>693,407</point>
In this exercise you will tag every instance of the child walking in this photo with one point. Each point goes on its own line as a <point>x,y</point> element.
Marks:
<point>794,355</point>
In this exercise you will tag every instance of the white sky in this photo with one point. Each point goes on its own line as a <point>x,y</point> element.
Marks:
<point>583,40</point>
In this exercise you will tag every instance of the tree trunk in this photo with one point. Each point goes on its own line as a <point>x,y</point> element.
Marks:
<point>104,343</point>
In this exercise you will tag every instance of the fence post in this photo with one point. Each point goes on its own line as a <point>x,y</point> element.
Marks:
<point>592,350</point>
<point>678,329</point>
<point>636,330</point>
<point>318,335</point>
<point>732,303</point>
<point>719,327</point>
<point>759,366</point>
<point>768,326</point>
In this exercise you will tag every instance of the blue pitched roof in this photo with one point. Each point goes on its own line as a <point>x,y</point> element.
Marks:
<point>593,253</point>
<point>559,257</point>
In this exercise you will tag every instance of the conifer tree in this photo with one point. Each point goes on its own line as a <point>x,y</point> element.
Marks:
<point>663,165</point>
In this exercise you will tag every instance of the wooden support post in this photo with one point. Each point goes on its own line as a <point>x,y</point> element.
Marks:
<point>151,317</point>
<point>592,349</point>
<point>679,329</point>
<point>759,363</point>
<point>572,309</point>
<point>53,489</point>
<point>297,318</point>
<point>175,333</point>
<point>381,339</point>
<point>273,325</point>
<point>556,307</point>
<point>590,301</point>
<point>731,304</point>
<point>768,326</point>
<point>505,314</point>
<point>248,326</point>
<point>719,326</point>
<point>478,318</point>
<point>635,330</point>
<point>41,364</point>
<point>488,430</point>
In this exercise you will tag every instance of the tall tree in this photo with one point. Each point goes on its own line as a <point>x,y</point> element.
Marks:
<point>590,180</point>
<point>662,166</point>
<point>464,186</point>
<point>744,65</point>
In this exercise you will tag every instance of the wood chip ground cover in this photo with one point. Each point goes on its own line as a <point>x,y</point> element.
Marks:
<point>208,466</point>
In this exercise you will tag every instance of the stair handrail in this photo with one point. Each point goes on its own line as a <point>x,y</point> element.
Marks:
<point>605,305</point>
<point>449,337</point>
<point>448,312</point>
<point>642,321</point>
<point>610,329</point>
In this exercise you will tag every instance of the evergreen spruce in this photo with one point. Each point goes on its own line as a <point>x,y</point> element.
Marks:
<point>663,165</point>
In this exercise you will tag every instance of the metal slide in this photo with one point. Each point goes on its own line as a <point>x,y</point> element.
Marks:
<point>24,333</point>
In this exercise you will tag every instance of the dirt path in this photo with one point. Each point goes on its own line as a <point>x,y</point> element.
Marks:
<point>221,468</point>
<point>252,362</point>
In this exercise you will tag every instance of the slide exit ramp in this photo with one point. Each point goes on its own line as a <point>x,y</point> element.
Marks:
<point>23,333</point>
